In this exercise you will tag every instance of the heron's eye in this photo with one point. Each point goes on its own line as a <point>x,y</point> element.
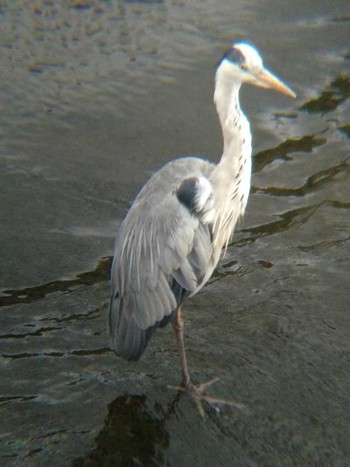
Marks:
<point>244,67</point>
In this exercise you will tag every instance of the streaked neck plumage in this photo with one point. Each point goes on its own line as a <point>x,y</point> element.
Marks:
<point>231,177</point>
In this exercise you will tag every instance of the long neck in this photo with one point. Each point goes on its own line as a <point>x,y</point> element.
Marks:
<point>231,177</point>
<point>234,124</point>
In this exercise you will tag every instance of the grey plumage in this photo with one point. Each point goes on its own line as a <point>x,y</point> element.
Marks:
<point>162,256</point>
<point>174,232</point>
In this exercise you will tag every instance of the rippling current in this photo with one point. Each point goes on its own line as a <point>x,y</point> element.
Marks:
<point>96,95</point>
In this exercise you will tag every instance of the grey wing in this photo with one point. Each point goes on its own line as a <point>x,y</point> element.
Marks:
<point>164,254</point>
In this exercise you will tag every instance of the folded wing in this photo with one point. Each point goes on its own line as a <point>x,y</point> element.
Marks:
<point>163,255</point>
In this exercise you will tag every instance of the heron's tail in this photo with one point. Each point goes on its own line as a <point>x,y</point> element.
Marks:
<point>128,339</point>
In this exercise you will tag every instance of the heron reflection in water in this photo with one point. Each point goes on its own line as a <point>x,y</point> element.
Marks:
<point>182,219</point>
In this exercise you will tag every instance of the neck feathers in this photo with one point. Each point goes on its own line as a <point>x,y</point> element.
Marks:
<point>231,177</point>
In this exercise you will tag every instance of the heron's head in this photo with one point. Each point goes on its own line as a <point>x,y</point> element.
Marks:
<point>243,64</point>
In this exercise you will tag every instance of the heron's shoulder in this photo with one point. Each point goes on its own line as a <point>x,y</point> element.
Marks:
<point>172,174</point>
<point>189,163</point>
<point>165,196</point>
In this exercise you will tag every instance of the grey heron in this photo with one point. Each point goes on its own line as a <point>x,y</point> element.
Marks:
<point>183,218</point>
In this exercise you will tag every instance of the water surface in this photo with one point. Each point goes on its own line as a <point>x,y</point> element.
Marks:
<point>98,95</point>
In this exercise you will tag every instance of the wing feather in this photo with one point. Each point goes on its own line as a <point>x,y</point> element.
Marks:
<point>202,249</point>
<point>144,310</point>
<point>164,291</point>
<point>163,254</point>
<point>185,276</point>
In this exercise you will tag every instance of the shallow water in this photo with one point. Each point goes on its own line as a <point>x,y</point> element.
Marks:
<point>98,95</point>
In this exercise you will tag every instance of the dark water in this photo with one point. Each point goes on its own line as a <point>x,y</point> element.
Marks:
<point>96,95</point>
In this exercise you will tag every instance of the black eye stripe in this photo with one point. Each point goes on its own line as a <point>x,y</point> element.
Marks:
<point>234,56</point>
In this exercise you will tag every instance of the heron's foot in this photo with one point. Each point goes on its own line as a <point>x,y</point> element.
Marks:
<point>196,392</point>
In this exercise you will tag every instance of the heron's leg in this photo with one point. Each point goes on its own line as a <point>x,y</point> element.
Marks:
<point>179,332</point>
<point>195,390</point>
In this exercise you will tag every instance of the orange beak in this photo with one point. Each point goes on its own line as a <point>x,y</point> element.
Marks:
<point>266,79</point>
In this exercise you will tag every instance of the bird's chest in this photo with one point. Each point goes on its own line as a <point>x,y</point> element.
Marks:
<point>239,179</point>
<point>243,185</point>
